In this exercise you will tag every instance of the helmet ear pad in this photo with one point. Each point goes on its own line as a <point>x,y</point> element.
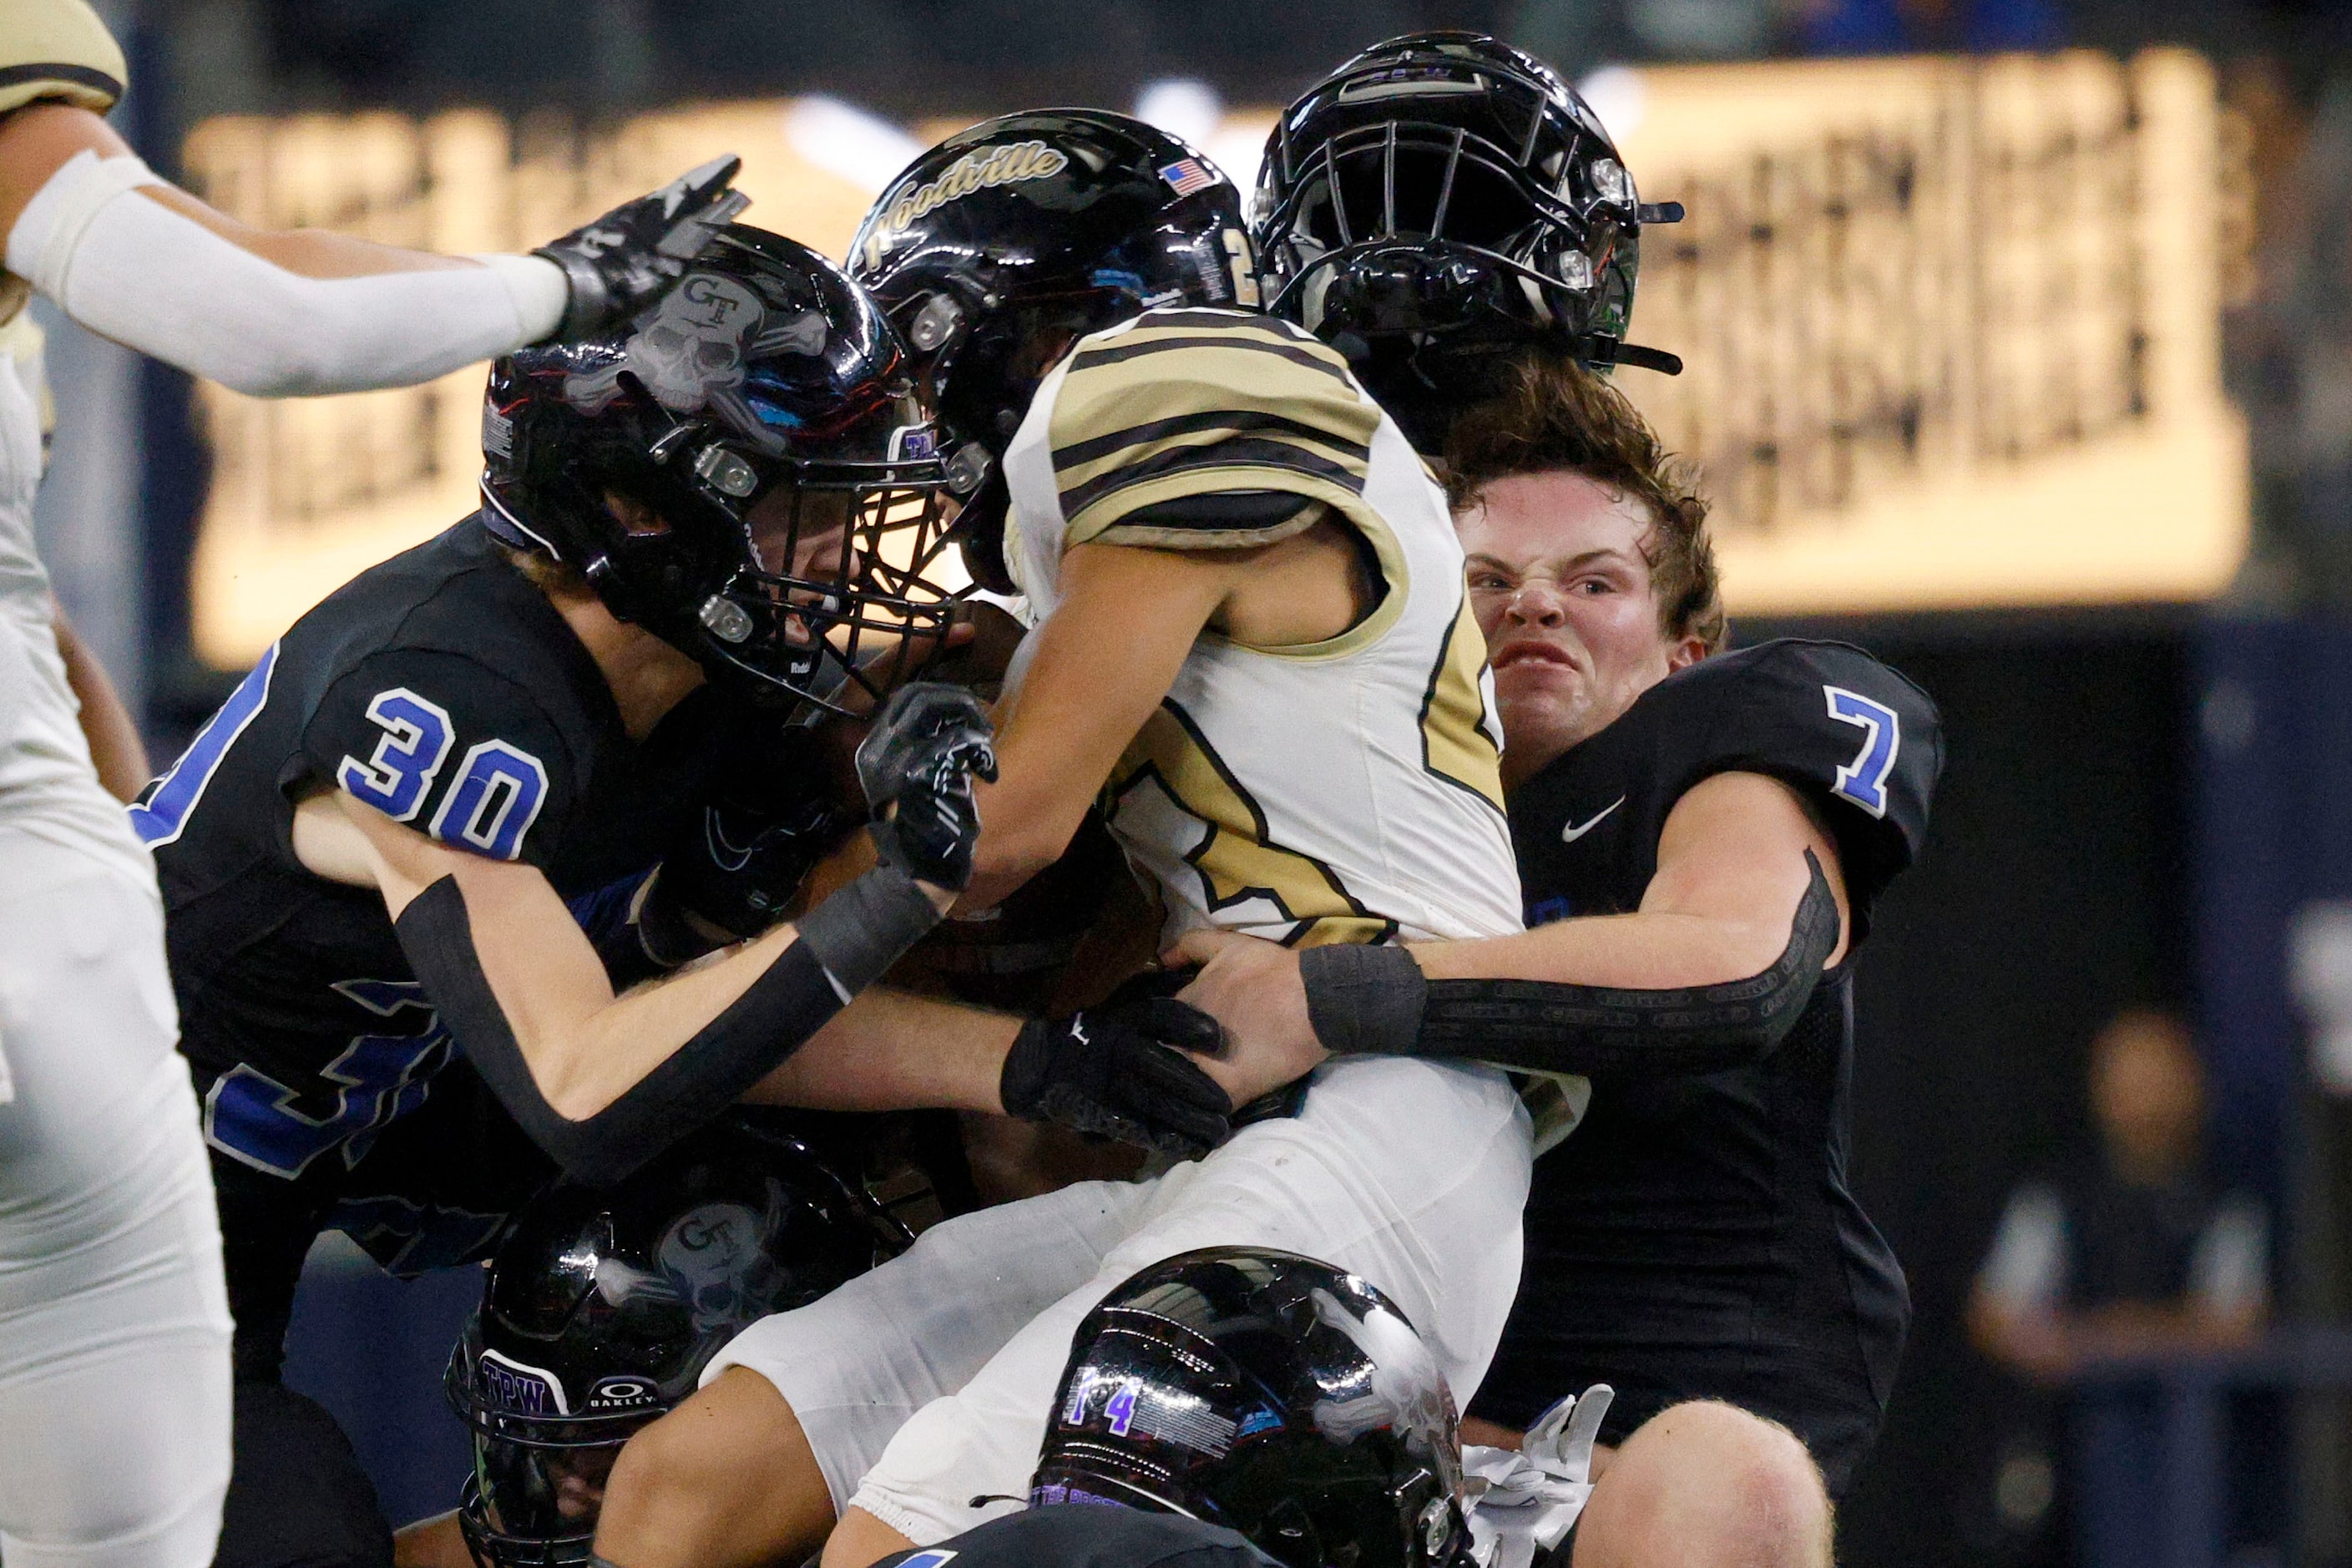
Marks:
<point>978,532</point>
<point>766,370</point>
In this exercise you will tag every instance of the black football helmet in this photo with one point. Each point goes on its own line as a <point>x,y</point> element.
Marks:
<point>999,246</point>
<point>603,1307</point>
<point>1269,1392</point>
<point>746,470</point>
<point>1440,203</point>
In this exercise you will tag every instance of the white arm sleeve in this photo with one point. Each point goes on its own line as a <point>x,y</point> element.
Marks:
<point>133,269</point>
<point>2230,1271</point>
<point>2026,1270</point>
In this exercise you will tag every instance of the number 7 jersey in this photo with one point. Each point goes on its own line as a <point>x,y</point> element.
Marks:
<point>443,689</point>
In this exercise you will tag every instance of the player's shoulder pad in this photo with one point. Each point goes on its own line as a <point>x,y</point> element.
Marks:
<point>457,750</point>
<point>1861,741</point>
<point>1206,430</point>
<point>58,49</point>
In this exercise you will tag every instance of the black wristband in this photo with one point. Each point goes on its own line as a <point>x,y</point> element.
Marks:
<point>1363,998</point>
<point>865,928</point>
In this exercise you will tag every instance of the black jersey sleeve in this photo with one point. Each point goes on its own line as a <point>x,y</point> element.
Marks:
<point>1860,742</point>
<point>454,749</point>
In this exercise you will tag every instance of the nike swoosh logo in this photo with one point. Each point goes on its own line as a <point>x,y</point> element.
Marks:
<point>1577,830</point>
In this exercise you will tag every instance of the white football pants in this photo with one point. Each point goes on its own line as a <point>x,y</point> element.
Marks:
<point>927,1384</point>
<point>114,1323</point>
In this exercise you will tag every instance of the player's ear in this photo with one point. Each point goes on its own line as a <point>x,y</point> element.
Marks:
<point>1686,651</point>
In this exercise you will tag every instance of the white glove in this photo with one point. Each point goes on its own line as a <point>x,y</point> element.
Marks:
<point>1524,1502</point>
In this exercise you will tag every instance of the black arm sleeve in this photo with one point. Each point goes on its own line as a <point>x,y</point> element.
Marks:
<point>1362,999</point>
<point>759,1030</point>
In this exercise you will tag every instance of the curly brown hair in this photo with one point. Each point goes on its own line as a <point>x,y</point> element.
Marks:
<point>1555,415</point>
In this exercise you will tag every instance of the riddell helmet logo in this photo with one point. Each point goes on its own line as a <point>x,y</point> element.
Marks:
<point>977,170</point>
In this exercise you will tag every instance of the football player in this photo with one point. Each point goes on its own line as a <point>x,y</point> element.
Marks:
<point>1702,837</point>
<point>426,819</point>
<point>602,1306</point>
<point>1441,203</point>
<point>1250,640</point>
<point>114,1397</point>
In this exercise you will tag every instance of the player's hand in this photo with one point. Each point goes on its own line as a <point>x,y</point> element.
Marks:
<point>631,256</point>
<point>767,816</point>
<point>1123,1070</point>
<point>736,870</point>
<point>916,766</point>
<point>1252,988</point>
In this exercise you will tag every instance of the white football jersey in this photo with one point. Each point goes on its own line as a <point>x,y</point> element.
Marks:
<point>48,786</point>
<point>1342,791</point>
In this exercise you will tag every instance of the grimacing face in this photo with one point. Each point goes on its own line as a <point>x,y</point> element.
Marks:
<point>1561,586</point>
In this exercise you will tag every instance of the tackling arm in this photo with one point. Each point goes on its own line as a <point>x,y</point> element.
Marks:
<point>604,1082</point>
<point>1745,909</point>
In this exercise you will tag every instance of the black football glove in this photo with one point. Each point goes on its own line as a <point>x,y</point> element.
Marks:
<point>921,757</point>
<point>765,817</point>
<point>1114,1072</point>
<point>736,871</point>
<point>628,259</point>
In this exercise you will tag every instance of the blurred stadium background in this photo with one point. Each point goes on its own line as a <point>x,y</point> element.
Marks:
<point>2021,347</point>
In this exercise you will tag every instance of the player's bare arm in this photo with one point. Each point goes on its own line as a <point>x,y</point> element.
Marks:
<point>1107,656</point>
<point>1732,872</point>
<point>585,1045</point>
<point>1103,661</point>
<point>115,747</point>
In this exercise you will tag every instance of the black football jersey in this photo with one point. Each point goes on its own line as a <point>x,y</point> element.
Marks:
<point>445,690</point>
<point>1695,1237</point>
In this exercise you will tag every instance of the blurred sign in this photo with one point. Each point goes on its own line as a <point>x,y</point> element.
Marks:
<point>306,492</point>
<point>1952,327</point>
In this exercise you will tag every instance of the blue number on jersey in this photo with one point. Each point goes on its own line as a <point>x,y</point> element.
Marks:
<point>1120,1411</point>
<point>1864,780</point>
<point>496,798</point>
<point>251,1116</point>
<point>416,737</point>
<point>162,811</point>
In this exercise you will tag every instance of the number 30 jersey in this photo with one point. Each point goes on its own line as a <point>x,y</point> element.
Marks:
<point>443,689</point>
<point>1342,791</point>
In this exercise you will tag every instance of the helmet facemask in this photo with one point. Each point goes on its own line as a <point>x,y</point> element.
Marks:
<point>843,586</point>
<point>747,471</point>
<point>1441,204</point>
<point>537,1485</point>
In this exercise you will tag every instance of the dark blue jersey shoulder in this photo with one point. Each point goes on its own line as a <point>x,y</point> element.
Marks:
<point>443,689</point>
<point>1857,739</point>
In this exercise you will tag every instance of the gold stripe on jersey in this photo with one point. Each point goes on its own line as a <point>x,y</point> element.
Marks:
<point>1237,859</point>
<point>1194,403</point>
<point>1455,744</point>
<point>58,49</point>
